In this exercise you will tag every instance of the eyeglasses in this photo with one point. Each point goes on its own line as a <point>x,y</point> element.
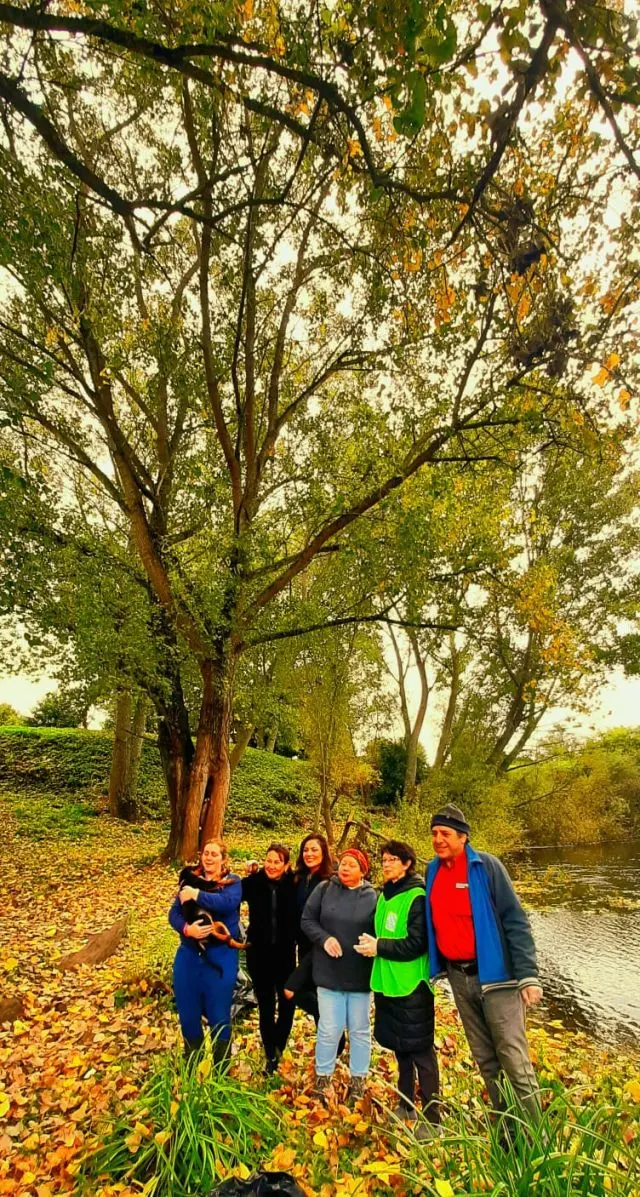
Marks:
<point>387,860</point>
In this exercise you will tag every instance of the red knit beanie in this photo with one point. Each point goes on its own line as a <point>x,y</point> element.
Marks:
<point>360,856</point>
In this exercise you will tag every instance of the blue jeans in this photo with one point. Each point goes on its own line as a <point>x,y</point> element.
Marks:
<point>341,1011</point>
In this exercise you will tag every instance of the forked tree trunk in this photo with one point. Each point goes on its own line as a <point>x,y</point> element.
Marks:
<point>211,768</point>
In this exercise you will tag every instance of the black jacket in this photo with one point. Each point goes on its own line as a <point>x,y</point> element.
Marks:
<point>406,1024</point>
<point>335,909</point>
<point>305,884</point>
<point>272,921</point>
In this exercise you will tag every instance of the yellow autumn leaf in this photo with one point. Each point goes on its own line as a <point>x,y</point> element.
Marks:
<point>30,1143</point>
<point>19,1027</point>
<point>601,377</point>
<point>320,1139</point>
<point>242,1172</point>
<point>624,398</point>
<point>204,1069</point>
<point>632,1090</point>
<point>5,1102</point>
<point>282,1159</point>
<point>162,1137</point>
<point>443,1188</point>
<point>133,1142</point>
<point>173,1108</point>
<point>522,310</point>
<point>10,964</point>
<point>612,361</point>
<point>378,1168</point>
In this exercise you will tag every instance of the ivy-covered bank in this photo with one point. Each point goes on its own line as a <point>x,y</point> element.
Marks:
<point>267,791</point>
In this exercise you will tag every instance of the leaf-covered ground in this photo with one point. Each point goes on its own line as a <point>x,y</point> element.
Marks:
<point>82,1047</point>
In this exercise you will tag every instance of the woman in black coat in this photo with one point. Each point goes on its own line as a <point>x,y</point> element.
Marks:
<point>271,956</point>
<point>404,1006</point>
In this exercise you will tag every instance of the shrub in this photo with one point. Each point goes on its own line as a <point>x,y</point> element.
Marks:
<point>190,1125</point>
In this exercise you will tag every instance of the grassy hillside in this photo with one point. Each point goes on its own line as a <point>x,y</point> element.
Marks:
<point>267,791</point>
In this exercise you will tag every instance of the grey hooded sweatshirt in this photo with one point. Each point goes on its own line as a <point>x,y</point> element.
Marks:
<point>334,909</point>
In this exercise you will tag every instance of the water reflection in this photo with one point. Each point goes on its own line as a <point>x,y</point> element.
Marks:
<point>587,930</point>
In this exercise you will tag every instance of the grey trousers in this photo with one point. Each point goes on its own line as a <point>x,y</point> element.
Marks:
<point>494,1024</point>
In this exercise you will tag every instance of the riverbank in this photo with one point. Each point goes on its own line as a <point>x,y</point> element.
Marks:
<point>85,1041</point>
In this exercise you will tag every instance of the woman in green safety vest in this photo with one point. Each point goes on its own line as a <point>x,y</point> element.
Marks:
<point>404,1017</point>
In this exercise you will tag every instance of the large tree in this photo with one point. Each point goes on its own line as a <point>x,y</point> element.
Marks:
<point>263,266</point>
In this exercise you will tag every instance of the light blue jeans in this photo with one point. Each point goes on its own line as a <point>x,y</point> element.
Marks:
<point>341,1012</point>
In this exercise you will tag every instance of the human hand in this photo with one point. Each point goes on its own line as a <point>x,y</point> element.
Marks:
<point>367,945</point>
<point>188,894</point>
<point>288,993</point>
<point>531,995</point>
<point>197,930</point>
<point>332,947</point>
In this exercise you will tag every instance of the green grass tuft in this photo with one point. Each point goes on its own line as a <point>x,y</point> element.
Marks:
<point>189,1127</point>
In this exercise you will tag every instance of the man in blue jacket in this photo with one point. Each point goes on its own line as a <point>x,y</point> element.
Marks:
<point>480,938</point>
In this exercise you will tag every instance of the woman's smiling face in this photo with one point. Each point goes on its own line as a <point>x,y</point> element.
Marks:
<point>211,859</point>
<point>274,865</point>
<point>312,855</point>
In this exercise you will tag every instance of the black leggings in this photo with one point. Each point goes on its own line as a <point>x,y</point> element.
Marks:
<point>425,1063</point>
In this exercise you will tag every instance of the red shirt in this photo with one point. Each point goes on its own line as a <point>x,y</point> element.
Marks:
<point>451,911</point>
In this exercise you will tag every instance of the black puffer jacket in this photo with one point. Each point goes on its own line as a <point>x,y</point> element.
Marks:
<point>406,1024</point>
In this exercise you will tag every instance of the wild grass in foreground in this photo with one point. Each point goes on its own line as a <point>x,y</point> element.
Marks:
<point>575,1150</point>
<point>190,1126</point>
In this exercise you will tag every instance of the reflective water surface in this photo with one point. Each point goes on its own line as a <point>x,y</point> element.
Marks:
<point>584,906</point>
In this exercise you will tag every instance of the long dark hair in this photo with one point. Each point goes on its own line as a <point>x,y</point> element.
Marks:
<point>326,864</point>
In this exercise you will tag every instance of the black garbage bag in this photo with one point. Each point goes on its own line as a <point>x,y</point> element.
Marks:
<point>261,1184</point>
<point>244,999</point>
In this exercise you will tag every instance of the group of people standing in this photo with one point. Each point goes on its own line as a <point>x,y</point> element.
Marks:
<point>323,939</point>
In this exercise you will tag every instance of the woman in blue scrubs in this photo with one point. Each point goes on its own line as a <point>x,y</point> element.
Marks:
<point>205,968</point>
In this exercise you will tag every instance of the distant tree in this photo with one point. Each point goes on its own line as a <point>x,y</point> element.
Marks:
<point>389,758</point>
<point>9,717</point>
<point>62,708</point>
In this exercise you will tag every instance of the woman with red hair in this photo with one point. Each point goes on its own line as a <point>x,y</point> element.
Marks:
<point>337,913</point>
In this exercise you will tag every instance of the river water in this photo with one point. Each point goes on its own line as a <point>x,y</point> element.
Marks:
<point>584,905</point>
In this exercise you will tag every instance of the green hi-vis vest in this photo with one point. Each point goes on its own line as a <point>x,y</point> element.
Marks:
<point>397,978</point>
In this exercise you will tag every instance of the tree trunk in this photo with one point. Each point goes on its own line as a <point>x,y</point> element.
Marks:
<point>211,768</point>
<point>324,809</point>
<point>176,753</point>
<point>120,755</point>
<point>444,742</point>
<point>243,735</point>
<point>125,759</point>
<point>411,766</point>
<point>270,739</point>
<point>137,739</point>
